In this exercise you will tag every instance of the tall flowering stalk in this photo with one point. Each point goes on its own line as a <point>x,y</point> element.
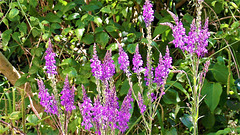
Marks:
<point>51,102</point>
<point>194,44</point>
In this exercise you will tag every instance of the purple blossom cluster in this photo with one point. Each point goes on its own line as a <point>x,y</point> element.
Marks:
<point>195,41</point>
<point>103,71</point>
<point>106,114</point>
<point>140,103</point>
<point>162,70</point>
<point>50,60</point>
<point>46,100</point>
<point>67,96</point>
<point>148,12</point>
<point>123,59</point>
<point>137,61</point>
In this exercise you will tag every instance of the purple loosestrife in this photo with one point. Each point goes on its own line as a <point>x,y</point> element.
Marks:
<point>86,110</point>
<point>123,59</point>
<point>96,64</point>
<point>124,113</point>
<point>147,79</point>
<point>148,12</point>
<point>162,70</point>
<point>97,112</point>
<point>67,96</point>
<point>50,60</point>
<point>140,103</point>
<point>137,61</point>
<point>47,101</point>
<point>108,67</point>
<point>196,40</point>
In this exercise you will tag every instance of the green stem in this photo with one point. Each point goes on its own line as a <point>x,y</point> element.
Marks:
<point>23,110</point>
<point>14,104</point>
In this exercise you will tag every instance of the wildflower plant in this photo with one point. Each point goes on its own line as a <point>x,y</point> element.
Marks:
<point>193,45</point>
<point>59,109</point>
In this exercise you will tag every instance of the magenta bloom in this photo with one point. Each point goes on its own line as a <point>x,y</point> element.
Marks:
<point>137,61</point>
<point>124,113</point>
<point>140,103</point>
<point>108,67</point>
<point>50,60</point>
<point>148,12</point>
<point>46,100</point>
<point>67,96</point>
<point>197,39</point>
<point>162,70</point>
<point>123,59</point>
<point>96,64</point>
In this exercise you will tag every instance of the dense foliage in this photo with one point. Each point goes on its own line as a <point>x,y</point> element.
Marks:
<point>81,32</point>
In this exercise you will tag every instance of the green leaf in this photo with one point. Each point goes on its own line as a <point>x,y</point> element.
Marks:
<point>186,120</point>
<point>36,32</point>
<point>171,97</point>
<point>160,29</point>
<point>213,92</point>
<point>15,115</point>
<point>32,119</point>
<point>178,86</point>
<point>111,28</point>
<point>67,62</point>
<point>6,37</point>
<point>33,3</point>
<point>79,33</point>
<point>33,70</point>
<point>13,13</point>
<point>125,87</point>
<point>88,39</point>
<point>112,46</point>
<point>21,81</point>
<point>16,36</point>
<point>53,18</point>
<point>131,48</point>
<point>70,71</point>
<point>73,16</point>
<point>102,38</point>
<point>131,37</point>
<point>208,120</point>
<point>23,28</point>
<point>2,129</point>
<point>69,6</point>
<point>98,20</point>
<point>90,7</point>
<point>172,131</point>
<point>220,73</point>
<point>106,9</point>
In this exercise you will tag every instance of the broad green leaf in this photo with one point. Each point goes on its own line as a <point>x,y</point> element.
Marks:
<point>70,71</point>
<point>98,20</point>
<point>34,69</point>
<point>79,33</point>
<point>111,28</point>
<point>131,37</point>
<point>53,18</point>
<point>106,9</point>
<point>13,13</point>
<point>186,120</point>
<point>32,119</point>
<point>112,46</point>
<point>69,6</point>
<point>23,28</point>
<point>171,97</point>
<point>102,38</point>
<point>131,48</point>
<point>208,120</point>
<point>67,62</point>
<point>16,36</point>
<point>73,16</point>
<point>88,39</point>
<point>213,92</point>
<point>172,131</point>
<point>125,87</point>
<point>178,86</point>
<point>6,37</point>
<point>33,3</point>
<point>160,29</point>
<point>220,73</point>
<point>15,115</point>
<point>21,81</point>
<point>36,32</point>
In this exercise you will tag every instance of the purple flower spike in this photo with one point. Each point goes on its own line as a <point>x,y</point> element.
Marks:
<point>137,61</point>
<point>50,60</point>
<point>148,12</point>
<point>96,64</point>
<point>108,66</point>
<point>124,114</point>
<point>47,101</point>
<point>123,59</point>
<point>162,70</point>
<point>68,96</point>
<point>86,110</point>
<point>140,103</point>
